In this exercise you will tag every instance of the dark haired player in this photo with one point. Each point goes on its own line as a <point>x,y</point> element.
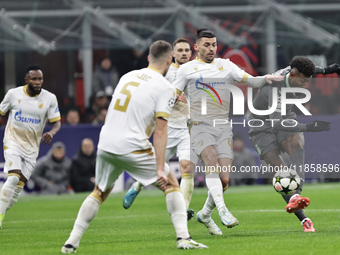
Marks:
<point>213,144</point>
<point>29,108</point>
<point>273,137</point>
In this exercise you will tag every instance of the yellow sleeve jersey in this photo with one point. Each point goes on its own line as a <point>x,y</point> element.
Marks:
<point>27,118</point>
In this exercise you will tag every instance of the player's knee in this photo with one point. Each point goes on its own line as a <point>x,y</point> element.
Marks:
<point>185,167</point>
<point>211,160</point>
<point>100,195</point>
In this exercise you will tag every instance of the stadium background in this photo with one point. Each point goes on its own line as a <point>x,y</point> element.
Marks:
<point>67,38</point>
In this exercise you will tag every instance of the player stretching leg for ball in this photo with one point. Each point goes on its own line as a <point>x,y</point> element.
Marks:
<point>212,143</point>
<point>29,108</point>
<point>269,141</point>
<point>125,147</point>
<point>178,134</point>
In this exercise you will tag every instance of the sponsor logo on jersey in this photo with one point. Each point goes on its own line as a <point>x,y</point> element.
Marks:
<point>56,109</point>
<point>18,117</point>
<point>199,84</point>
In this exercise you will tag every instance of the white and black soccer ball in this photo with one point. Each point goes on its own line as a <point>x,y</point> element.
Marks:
<point>286,182</point>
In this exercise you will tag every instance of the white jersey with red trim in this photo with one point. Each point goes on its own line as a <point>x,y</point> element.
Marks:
<point>27,118</point>
<point>139,98</point>
<point>180,113</point>
<point>202,82</point>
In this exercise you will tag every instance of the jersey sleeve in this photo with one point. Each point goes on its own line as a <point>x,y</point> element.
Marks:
<point>5,104</point>
<point>237,73</point>
<point>53,113</point>
<point>165,102</point>
<point>180,81</point>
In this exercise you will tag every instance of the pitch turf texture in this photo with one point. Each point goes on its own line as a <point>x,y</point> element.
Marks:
<point>41,224</point>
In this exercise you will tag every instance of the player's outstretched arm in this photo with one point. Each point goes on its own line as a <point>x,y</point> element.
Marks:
<point>48,136</point>
<point>318,126</point>
<point>160,138</point>
<point>259,81</point>
<point>333,68</point>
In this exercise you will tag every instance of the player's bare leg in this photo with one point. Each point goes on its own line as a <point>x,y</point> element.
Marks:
<point>187,184</point>
<point>176,208</point>
<point>10,192</point>
<point>86,214</point>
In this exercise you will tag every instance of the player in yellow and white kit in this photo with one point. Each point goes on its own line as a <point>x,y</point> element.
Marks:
<point>178,134</point>
<point>29,108</point>
<point>203,77</point>
<point>140,104</point>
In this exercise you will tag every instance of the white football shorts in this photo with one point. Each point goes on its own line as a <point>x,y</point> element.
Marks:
<point>15,160</point>
<point>141,165</point>
<point>204,135</point>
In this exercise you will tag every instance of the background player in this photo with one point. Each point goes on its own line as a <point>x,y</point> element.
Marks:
<point>178,134</point>
<point>125,146</point>
<point>29,108</point>
<point>212,144</point>
<point>269,141</point>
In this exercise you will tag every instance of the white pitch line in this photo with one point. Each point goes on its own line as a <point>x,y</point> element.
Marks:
<point>133,216</point>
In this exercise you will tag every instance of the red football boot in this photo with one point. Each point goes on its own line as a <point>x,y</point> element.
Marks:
<point>297,202</point>
<point>308,225</point>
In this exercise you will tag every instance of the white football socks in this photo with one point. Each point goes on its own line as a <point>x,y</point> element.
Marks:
<point>176,208</point>
<point>86,214</point>
<point>16,193</point>
<point>214,185</point>
<point>7,191</point>
<point>210,204</point>
<point>187,188</point>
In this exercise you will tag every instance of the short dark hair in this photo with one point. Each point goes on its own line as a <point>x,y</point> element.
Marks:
<point>204,32</point>
<point>180,40</point>
<point>31,67</point>
<point>303,65</point>
<point>159,49</point>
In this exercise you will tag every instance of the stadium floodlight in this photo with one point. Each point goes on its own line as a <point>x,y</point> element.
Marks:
<point>304,26</point>
<point>24,34</point>
<point>110,26</point>
<point>200,20</point>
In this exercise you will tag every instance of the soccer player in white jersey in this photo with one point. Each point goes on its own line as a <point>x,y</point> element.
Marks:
<point>178,135</point>
<point>140,105</point>
<point>29,108</point>
<point>213,144</point>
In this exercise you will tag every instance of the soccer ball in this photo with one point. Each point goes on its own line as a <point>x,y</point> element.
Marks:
<point>286,182</point>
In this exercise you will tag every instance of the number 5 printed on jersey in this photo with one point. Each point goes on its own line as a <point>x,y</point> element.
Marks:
<point>126,92</point>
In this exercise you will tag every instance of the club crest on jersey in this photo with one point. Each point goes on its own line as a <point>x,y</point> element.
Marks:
<point>40,104</point>
<point>196,68</point>
<point>220,68</point>
<point>19,100</point>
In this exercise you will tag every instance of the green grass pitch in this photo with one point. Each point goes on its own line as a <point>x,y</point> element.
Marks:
<point>41,224</point>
